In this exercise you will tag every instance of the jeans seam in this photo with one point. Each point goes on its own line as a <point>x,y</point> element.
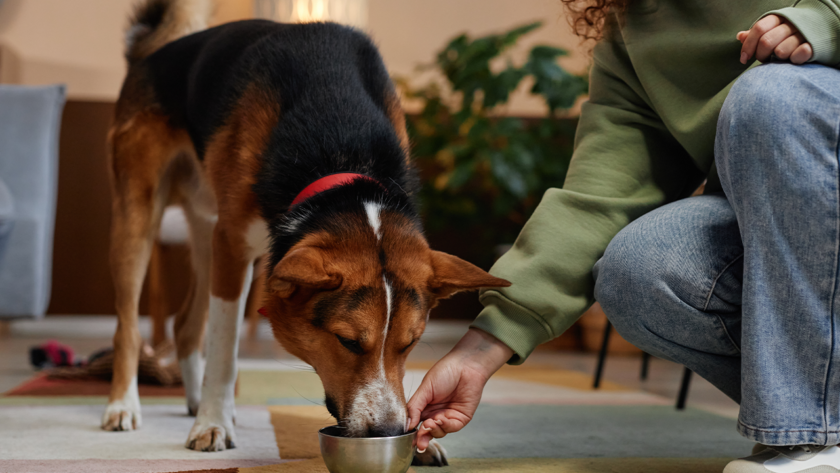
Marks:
<point>709,298</point>
<point>728,335</point>
<point>759,429</point>
<point>828,366</point>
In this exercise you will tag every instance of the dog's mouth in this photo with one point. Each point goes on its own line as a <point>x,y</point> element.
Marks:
<point>353,427</point>
<point>371,434</point>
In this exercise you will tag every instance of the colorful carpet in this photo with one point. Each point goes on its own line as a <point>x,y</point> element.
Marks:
<point>531,419</point>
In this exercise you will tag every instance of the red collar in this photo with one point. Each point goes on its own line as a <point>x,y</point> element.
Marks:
<point>328,182</point>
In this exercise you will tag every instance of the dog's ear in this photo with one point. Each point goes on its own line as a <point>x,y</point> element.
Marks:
<point>301,268</point>
<point>452,275</point>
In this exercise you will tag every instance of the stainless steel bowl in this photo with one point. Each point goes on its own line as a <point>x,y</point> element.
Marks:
<point>366,455</point>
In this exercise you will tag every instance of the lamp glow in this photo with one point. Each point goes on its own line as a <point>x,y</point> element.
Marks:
<point>348,12</point>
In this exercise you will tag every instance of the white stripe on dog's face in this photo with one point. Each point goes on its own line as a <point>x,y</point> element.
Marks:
<point>372,210</point>
<point>376,403</point>
<point>387,322</point>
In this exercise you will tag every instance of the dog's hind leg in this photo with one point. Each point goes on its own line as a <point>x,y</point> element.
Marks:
<point>140,150</point>
<point>190,321</point>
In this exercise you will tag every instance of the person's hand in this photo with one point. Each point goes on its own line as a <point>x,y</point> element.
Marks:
<point>774,35</point>
<point>449,394</point>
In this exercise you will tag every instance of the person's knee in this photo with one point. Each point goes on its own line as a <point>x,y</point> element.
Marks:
<point>774,112</point>
<point>758,104</point>
<point>624,280</point>
<point>763,95</point>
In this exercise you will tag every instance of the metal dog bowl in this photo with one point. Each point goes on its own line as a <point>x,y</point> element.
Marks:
<point>366,455</point>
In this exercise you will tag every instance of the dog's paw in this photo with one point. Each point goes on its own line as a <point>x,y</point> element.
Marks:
<point>211,436</point>
<point>435,455</point>
<point>121,416</point>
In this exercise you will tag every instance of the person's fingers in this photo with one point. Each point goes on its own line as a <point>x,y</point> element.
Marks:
<point>787,47</point>
<point>802,54</point>
<point>756,32</point>
<point>771,39</point>
<point>413,419</point>
<point>741,36</point>
<point>437,427</point>
<point>428,429</point>
<point>449,425</point>
<point>422,440</point>
<point>418,402</point>
<point>434,427</point>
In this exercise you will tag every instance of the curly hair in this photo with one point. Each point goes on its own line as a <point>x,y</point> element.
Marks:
<point>588,17</point>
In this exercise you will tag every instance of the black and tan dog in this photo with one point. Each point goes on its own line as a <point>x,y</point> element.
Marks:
<point>284,140</point>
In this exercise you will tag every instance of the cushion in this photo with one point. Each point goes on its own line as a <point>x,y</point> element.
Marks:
<point>29,127</point>
<point>7,213</point>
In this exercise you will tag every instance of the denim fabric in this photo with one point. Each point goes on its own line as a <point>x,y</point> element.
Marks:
<point>741,288</point>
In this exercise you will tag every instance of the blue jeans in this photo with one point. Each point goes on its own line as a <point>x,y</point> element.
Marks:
<point>742,288</point>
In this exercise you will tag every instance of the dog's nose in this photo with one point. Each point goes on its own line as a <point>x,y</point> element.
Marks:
<point>385,430</point>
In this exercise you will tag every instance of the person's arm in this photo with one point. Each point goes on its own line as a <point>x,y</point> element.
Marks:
<point>625,164</point>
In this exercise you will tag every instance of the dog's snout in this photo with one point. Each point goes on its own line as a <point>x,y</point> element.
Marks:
<point>385,430</point>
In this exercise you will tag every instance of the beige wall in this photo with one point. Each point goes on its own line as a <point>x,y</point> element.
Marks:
<point>410,32</point>
<point>79,42</point>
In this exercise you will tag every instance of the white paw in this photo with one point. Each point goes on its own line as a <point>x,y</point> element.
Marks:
<point>121,416</point>
<point>211,435</point>
<point>434,455</point>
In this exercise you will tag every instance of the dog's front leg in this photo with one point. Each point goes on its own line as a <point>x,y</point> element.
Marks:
<point>231,273</point>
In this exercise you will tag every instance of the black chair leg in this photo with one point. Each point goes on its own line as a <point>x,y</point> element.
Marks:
<point>602,356</point>
<point>684,389</point>
<point>645,365</point>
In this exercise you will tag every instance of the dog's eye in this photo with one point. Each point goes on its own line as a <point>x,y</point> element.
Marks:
<point>352,345</point>
<point>409,345</point>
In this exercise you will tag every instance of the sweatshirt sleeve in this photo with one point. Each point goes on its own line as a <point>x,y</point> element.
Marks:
<point>819,23</point>
<point>625,164</point>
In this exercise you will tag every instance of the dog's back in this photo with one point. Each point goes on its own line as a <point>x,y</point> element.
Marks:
<point>313,67</point>
<point>337,108</point>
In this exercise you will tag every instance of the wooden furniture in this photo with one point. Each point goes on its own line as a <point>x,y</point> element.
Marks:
<point>602,357</point>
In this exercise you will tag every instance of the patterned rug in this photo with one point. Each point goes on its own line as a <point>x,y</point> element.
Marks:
<point>532,419</point>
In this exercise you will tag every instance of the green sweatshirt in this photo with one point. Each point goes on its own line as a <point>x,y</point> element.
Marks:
<point>645,138</point>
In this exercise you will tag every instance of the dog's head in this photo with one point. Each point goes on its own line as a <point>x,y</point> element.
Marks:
<point>352,300</point>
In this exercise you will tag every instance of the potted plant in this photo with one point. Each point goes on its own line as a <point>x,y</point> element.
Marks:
<point>483,172</point>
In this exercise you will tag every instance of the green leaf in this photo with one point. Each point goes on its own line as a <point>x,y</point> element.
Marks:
<point>506,175</point>
<point>521,155</point>
<point>547,52</point>
<point>510,126</point>
<point>462,173</point>
<point>490,171</point>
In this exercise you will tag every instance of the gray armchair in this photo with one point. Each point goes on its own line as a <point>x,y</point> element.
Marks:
<point>29,126</point>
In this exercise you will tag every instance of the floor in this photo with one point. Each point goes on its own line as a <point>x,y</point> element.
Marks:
<point>540,417</point>
<point>88,334</point>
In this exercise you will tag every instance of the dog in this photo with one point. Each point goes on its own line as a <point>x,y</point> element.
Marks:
<point>286,141</point>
